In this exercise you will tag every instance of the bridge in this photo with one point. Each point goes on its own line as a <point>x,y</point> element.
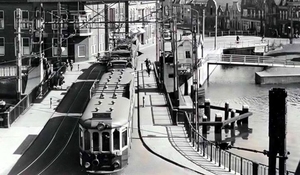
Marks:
<point>249,60</point>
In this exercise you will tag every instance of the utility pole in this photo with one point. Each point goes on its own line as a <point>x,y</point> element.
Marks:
<point>164,14</point>
<point>126,17</point>
<point>174,50</point>
<point>59,38</point>
<point>41,54</point>
<point>106,27</point>
<point>195,70</point>
<point>19,53</point>
<point>203,32</point>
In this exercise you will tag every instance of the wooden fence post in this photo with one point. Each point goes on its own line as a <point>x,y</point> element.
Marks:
<point>218,130</point>
<point>207,111</point>
<point>226,115</point>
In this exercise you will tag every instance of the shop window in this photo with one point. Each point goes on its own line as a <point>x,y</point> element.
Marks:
<point>81,50</point>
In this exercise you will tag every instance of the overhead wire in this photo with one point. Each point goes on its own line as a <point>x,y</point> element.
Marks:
<point>64,39</point>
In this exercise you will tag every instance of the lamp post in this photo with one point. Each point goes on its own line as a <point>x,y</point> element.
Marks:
<point>216,25</point>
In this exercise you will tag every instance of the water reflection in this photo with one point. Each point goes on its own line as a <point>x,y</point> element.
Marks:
<point>237,87</point>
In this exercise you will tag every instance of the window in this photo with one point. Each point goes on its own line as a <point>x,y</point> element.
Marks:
<point>95,141</point>
<point>55,18</point>
<point>124,138</point>
<point>64,47</point>
<point>187,54</point>
<point>26,46</point>
<point>24,18</point>
<point>80,138</point>
<point>1,19</point>
<point>105,141</point>
<point>116,140</point>
<point>2,46</point>
<point>87,142</point>
<point>81,51</point>
<point>245,12</point>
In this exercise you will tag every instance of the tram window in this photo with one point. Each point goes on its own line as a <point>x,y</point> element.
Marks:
<point>124,138</point>
<point>87,142</point>
<point>95,141</point>
<point>80,138</point>
<point>105,141</point>
<point>116,140</point>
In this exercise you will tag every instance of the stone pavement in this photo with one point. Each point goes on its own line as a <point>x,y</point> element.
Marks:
<point>169,141</point>
<point>16,139</point>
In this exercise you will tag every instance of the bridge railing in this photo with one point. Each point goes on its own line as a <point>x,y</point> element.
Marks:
<point>257,59</point>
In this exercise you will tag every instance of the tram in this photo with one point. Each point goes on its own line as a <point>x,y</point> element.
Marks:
<point>106,125</point>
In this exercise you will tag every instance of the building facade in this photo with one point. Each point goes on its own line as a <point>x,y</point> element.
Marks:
<point>143,11</point>
<point>235,17</point>
<point>81,40</point>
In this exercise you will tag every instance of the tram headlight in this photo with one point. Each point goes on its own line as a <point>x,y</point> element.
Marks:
<point>87,164</point>
<point>116,164</point>
<point>95,162</point>
<point>101,126</point>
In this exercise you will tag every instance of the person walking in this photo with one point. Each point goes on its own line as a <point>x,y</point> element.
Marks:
<point>147,62</point>
<point>148,70</point>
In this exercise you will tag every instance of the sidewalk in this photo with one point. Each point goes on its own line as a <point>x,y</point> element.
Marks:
<point>16,139</point>
<point>164,138</point>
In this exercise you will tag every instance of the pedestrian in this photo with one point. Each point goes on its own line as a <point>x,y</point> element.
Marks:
<point>148,70</point>
<point>237,39</point>
<point>147,62</point>
<point>143,101</point>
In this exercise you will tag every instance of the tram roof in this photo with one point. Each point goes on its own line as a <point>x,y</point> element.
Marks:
<point>122,76</point>
<point>111,99</point>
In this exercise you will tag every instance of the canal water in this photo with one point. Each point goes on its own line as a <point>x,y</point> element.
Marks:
<point>236,85</point>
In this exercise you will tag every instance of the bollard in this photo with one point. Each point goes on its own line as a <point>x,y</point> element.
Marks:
<point>204,127</point>
<point>50,103</point>
<point>245,109</point>
<point>226,114</point>
<point>207,111</point>
<point>232,129</point>
<point>218,130</point>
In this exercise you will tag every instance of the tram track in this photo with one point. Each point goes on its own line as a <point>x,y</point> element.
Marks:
<point>65,129</point>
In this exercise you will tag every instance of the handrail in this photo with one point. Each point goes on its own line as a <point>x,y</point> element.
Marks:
<point>253,59</point>
<point>230,161</point>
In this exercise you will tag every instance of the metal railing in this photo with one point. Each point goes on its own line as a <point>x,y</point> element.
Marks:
<point>224,159</point>
<point>252,59</point>
<point>10,115</point>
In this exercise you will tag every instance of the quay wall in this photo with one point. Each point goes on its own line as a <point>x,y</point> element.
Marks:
<point>278,76</point>
<point>276,79</point>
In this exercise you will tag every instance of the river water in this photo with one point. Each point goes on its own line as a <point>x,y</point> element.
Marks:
<point>236,85</point>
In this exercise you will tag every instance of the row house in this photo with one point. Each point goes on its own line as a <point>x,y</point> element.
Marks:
<point>272,18</point>
<point>253,13</point>
<point>235,16</point>
<point>143,11</point>
<point>81,39</point>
